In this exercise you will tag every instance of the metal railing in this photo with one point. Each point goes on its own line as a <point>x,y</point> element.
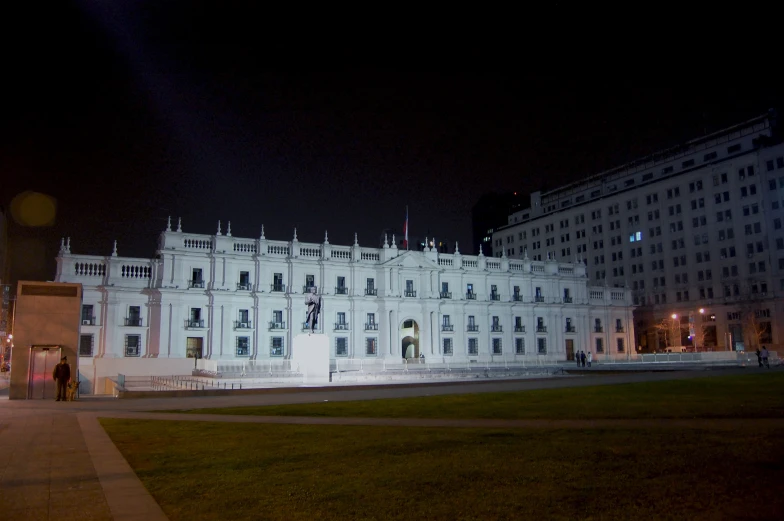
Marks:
<point>133,321</point>
<point>190,323</point>
<point>409,293</point>
<point>196,284</point>
<point>341,290</point>
<point>341,326</point>
<point>244,286</point>
<point>446,294</point>
<point>371,292</point>
<point>278,288</point>
<point>239,324</point>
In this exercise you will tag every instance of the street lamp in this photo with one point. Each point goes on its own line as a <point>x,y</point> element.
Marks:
<point>674,318</point>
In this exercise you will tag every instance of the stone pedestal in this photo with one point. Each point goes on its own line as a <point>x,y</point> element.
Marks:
<point>311,353</point>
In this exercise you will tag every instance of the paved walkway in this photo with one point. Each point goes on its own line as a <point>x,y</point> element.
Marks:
<point>56,462</point>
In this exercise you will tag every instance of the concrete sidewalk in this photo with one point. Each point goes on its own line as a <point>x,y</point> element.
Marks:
<point>57,463</point>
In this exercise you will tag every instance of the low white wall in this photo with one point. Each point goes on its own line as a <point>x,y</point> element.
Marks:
<point>93,372</point>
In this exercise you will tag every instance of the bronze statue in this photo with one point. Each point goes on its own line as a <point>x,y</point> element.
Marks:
<point>314,308</point>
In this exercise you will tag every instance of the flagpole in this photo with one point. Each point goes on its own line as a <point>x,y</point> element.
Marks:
<point>406,237</point>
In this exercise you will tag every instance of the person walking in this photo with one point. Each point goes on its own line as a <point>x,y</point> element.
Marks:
<point>759,357</point>
<point>764,354</point>
<point>590,358</point>
<point>582,357</point>
<point>61,376</point>
<point>577,357</point>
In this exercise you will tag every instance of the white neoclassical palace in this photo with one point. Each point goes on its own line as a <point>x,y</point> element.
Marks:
<point>221,297</point>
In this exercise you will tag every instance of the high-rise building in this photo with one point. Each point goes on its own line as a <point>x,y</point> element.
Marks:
<point>694,231</point>
<point>489,213</point>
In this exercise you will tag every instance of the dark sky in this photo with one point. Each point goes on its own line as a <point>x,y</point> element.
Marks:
<point>128,115</point>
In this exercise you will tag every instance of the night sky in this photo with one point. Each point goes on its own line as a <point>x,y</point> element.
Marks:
<point>129,115</point>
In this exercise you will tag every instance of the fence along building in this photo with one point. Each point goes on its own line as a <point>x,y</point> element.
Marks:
<point>698,226</point>
<point>228,298</point>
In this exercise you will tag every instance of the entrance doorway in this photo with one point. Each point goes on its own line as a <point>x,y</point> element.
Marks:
<point>42,362</point>
<point>193,347</point>
<point>570,349</point>
<point>409,331</point>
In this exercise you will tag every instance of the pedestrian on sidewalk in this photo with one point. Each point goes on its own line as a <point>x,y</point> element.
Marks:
<point>577,357</point>
<point>759,357</point>
<point>61,376</point>
<point>582,357</point>
<point>764,354</point>
<point>590,358</point>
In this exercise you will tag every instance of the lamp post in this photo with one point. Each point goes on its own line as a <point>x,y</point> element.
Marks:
<point>674,318</point>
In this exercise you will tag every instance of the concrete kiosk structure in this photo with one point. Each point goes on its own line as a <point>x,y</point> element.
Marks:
<point>46,327</point>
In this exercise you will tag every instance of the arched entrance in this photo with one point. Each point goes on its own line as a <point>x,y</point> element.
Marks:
<point>409,332</point>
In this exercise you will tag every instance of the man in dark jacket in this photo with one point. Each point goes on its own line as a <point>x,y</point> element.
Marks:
<point>62,375</point>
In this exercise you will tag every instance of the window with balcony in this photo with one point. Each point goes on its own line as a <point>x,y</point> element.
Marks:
<point>370,287</point>
<point>540,327</point>
<point>341,289</point>
<point>341,346</point>
<point>445,293</point>
<point>196,278</point>
<point>446,324</point>
<point>496,325</point>
<point>277,320</point>
<point>569,326</point>
<point>341,324</point>
<point>597,325</point>
<point>310,283</point>
<point>538,297</point>
<point>134,316</point>
<point>494,295</point>
<point>244,283</point>
<point>243,321</point>
<point>243,346</point>
<point>133,345</point>
<point>516,294</point>
<point>195,319</point>
<point>472,324</point>
<point>518,325</point>
<point>410,292</point>
<point>470,295</point>
<point>88,315</point>
<point>567,297</point>
<point>370,324</point>
<point>619,325</point>
<point>277,283</point>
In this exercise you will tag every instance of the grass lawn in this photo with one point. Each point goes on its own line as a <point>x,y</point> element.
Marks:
<point>744,396</point>
<point>206,471</point>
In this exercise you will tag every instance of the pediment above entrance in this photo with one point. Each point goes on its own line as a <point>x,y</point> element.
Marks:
<point>412,259</point>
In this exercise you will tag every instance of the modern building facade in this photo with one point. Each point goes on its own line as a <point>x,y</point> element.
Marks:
<point>694,231</point>
<point>229,298</point>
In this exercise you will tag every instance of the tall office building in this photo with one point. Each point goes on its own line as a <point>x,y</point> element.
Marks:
<point>695,231</point>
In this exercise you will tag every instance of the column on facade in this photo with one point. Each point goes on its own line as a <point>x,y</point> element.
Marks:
<point>115,334</point>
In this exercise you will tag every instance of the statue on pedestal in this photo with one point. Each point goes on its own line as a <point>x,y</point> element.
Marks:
<point>314,308</point>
